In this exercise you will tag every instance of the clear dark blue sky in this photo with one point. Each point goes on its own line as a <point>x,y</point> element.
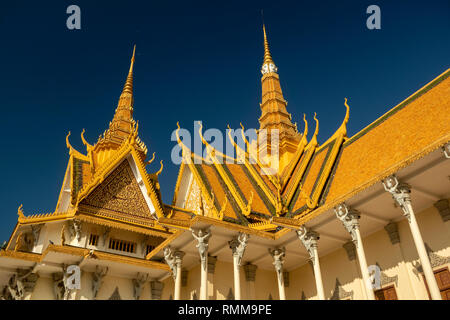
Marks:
<point>195,60</point>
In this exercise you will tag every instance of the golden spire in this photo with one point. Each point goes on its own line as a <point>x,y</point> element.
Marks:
<point>129,83</point>
<point>126,98</point>
<point>267,55</point>
<point>122,123</point>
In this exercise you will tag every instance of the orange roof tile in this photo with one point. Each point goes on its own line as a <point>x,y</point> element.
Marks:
<point>407,132</point>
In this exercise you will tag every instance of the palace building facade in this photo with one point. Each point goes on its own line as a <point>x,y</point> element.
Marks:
<point>361,217</point>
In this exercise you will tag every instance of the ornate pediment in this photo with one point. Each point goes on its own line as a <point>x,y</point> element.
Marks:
<point>118,196</point>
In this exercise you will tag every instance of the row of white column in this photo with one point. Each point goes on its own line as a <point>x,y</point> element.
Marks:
<point>349,218</point>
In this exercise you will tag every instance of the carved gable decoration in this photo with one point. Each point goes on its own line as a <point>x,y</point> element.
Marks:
<point>115,295</point>
<point>118,196</point>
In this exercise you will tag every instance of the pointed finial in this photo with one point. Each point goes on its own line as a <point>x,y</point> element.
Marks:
<point>267,55</point>
<point>128,88</point>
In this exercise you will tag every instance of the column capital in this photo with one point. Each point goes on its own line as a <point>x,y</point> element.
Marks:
<point>278,255</point>
<point>250,272</point>
<point>349,218</point>
<point>238,245</point>
<point>178,255</point>
<point>309,238</point>
<point>401,193</point>
<point>392,231</point>
<point>443,208</point>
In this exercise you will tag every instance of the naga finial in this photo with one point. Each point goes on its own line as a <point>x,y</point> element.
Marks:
<point>151,160</point>
<point>20,211</point>
<point>248,209</point>
<point>69,146</point>
<point>87,144</point>
<point>160,170</point>
<point>222,209</point>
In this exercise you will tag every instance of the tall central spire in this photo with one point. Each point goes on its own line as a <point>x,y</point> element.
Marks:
<point>122,124</point>
<point>267,55</point>
<point>126,98</point>
<point>268,64</point>
<point>274,115</point>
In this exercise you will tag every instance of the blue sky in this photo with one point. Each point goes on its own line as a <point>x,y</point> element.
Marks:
<point>195,60</point>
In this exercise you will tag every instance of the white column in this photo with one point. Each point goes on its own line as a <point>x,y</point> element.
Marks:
<point>174,262</point>
<point>202,237</point>
<point>309,239</point>
<point>278,255</point>
<point>178,262</point>
<point>349,219</point>
<point>401,194</point>
<point>238,245</point>
<point>237,278</point>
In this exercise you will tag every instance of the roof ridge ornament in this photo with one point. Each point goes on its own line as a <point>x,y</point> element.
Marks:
<point>89,147</point>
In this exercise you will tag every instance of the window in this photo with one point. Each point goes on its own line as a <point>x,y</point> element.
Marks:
<point>443,281</point>
<point>122,245</point>
<point>387,293</point>
<point>93,239</point>
<point>149,249</point>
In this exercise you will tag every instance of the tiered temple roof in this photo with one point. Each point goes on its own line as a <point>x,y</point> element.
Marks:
<point>312,178</point>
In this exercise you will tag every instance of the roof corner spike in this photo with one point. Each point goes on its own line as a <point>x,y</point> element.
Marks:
<point>161,169</point>
<point>88,146</point>
<point>20,212</point>
<point>69,146</point>
<point>305,132</point>
<point>347,116</point>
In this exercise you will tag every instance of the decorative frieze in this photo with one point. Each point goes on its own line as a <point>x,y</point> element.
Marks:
<point>392,231</point>
<point>184,277</point>
<point>443,208</point>
<point>385,279</point>
<point>303,297</point>
<point>350,249</point>
<point>115,295</point>
<point>156,288</point>
<point>339,293</point>
<point>250,272</point>
<point>212,264</point>
<point>435,260</point>
<point>230,295</point>
<point>286,279</point>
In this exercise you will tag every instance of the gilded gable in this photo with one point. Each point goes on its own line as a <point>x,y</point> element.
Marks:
<point>117,195</point>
